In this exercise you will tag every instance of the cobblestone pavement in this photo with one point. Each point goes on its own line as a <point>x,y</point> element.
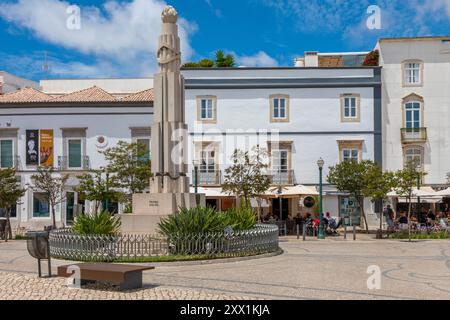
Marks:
<point>16,286</point>
<point>328,269</point>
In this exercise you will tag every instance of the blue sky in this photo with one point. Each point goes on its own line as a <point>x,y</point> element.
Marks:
<point>118,38</point>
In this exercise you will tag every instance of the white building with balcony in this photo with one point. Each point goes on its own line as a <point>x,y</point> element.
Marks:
<point>416,105</point>
<point>298,114</point>
<point>66,129</point>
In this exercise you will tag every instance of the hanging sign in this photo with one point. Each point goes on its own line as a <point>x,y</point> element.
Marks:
<point>32,152</point>
<point>309,202</point>
<point>46,148</point>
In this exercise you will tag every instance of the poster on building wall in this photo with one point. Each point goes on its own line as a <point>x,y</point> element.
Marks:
<point>46,148</point>
<point>32,153</point>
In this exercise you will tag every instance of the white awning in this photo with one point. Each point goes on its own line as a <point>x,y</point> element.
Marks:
<point>444,193</point>
<point>211,192</point>
<point>422,200</point>
<point>422,192</point>
<point>291,191</point>
<point>264,203</point>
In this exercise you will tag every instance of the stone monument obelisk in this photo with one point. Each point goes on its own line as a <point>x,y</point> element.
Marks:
<point>169,186</point>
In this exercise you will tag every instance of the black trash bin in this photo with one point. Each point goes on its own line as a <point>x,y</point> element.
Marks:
<point>38,246</point>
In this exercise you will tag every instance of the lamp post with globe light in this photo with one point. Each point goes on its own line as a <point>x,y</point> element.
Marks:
<point>321,235</point>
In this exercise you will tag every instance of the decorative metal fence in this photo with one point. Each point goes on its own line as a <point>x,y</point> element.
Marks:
<point>64,244</point>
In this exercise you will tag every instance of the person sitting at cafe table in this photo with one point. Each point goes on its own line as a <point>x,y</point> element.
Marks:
<point>431,218</point>
<point>403,218</point>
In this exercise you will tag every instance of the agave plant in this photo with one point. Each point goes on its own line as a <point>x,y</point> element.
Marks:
<point>102,223</point>
<point>192,221</point>
<point>202,220</point>
<point>239,219</point>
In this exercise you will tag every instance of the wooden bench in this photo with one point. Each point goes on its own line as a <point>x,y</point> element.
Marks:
<point>126,276</point>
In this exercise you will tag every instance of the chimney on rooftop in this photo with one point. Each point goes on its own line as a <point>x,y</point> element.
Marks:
<point>311,59</point>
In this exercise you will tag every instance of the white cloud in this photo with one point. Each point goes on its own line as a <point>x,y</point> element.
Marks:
<point>260,59</point>
<point>416,17</point>
<point>121,33</point>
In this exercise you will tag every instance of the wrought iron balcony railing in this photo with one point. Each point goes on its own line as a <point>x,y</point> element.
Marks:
<point>65,164</point>
<point>414,134</point>
<point>207,177</point>
<point>281,177</point>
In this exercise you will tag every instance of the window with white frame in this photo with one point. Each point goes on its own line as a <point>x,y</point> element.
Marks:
<point>414,155</point>
<point>412,73</point>
<point>413,115</point>
<point>207,161</point>
<point>206,108</point>
<point>350,154</point>
<point>350,108</point>
<point>6,153</point>
<point>279,108</point>
<point>280,160</point>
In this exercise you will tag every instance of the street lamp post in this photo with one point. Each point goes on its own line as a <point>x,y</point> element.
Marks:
<point>195,164</point>
<point>320,164</point>
<point>107,192</point>
<point>418,197</point>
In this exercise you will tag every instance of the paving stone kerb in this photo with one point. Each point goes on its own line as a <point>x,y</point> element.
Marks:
<point>330,269</point>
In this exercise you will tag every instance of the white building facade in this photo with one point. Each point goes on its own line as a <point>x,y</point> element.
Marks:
<point>298,114</point>
<point>66,132</point>
<point>416,105</point>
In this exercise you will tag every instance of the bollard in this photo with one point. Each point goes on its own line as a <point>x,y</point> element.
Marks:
<point>354,232</point>
<point>345,231</point>
<point>298,231</point>
<point>304,231</point>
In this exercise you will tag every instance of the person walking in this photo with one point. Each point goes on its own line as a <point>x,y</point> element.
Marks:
<point>389,214</point>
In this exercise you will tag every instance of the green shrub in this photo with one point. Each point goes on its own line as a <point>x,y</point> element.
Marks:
<point>191,64</point>
<point>240,218</point>
<point>422,235</point>
<point>192,221</point>
<point>206,220</point>
<point>102,223</point>
<point>206,63</point>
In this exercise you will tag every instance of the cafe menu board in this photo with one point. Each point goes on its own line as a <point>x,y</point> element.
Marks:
<point>32,152</point>
<point>46,148</point>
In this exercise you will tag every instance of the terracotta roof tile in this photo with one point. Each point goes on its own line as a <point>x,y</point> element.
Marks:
<point>92,94</point>
<point>141,96</point>
<point>25,95</point>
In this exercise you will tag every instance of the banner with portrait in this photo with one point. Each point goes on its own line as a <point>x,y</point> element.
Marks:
<point>46,148</point>
<point>32,146</point>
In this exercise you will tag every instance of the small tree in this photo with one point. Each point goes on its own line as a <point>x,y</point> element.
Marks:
<point>52,186</point>
<point>351,177</point>
<point>448,178</point>
<point>378,185</point>
<point>245,178</point>
<point>129,168</point>
<point>405,182</point>
<point>10,194</point>
<point>224,61</point>
<point>93,187</point>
